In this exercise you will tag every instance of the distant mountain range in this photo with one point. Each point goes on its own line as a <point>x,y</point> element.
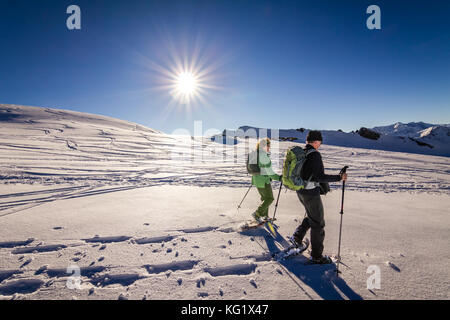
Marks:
<point>414,129</point>
<point>413,137</point>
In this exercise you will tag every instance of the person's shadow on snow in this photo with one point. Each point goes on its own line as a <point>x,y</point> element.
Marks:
<point>321,278</point>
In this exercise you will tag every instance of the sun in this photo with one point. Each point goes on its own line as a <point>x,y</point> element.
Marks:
<point>187,84</point>
<point>190,77</point>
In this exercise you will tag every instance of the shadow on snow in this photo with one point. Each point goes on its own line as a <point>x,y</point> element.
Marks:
<point>321,278</point>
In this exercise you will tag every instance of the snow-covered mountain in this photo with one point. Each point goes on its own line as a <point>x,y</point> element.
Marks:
<point>411,129</point>
<point>416,137</point>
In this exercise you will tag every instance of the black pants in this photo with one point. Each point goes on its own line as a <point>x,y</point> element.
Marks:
<point>314,220</point>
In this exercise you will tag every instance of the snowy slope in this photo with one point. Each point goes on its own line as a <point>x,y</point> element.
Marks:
<point>418,138</point>
<point>143,218</point>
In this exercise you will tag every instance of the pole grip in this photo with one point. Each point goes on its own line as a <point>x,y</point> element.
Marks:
<point>343,170</point>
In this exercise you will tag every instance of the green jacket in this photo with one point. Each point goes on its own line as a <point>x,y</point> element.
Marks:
<point>267,173</point>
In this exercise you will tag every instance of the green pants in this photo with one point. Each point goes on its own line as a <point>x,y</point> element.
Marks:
<point>266,198</point>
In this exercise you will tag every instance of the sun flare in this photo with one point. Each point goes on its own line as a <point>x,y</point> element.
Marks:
<point>190,77</point>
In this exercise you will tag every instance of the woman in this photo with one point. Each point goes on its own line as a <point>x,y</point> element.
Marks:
<point>262,181</point>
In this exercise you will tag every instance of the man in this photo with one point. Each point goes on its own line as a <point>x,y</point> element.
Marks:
<point>313,171</point>
<point>262,180</point>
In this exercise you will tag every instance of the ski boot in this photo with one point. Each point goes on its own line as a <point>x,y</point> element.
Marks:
<point>257,218</point>
<point>295,242</point>
<point>321,260</point>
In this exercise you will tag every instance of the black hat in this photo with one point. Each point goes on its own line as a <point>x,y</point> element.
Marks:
<point>314,135</point>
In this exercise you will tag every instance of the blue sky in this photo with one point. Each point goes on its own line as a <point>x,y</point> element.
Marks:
<point>280,64</point>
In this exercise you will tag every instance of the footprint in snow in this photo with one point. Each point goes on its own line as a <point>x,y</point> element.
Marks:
<point>27,262</point>
<point>393,266</point>
<point>23,286</point>
<point>122,297</point>
<point>41,270</point>
<point>49,283</point>
<point>201,282</point>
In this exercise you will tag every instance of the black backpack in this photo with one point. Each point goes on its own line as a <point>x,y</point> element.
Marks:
<point>252,163</point>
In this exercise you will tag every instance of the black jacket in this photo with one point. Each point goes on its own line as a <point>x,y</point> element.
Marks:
<point>313,167</point>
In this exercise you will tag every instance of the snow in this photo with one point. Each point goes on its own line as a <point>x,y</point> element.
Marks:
<point>129,207</point>
<point>403,129</point>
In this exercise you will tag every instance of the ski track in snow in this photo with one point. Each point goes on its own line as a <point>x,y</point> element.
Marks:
<point>106,156</point>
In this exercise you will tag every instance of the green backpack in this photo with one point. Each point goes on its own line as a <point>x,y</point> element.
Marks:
<point>292,167</point>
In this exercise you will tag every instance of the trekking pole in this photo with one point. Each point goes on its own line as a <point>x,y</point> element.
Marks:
<point>344,170</point>
<point>239,206</point>
<point>278,199</point>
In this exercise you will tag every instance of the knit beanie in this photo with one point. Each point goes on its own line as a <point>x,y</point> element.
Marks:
<point>314,135</point>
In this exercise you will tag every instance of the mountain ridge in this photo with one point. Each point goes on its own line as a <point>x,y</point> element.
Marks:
<point>413,137</point>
